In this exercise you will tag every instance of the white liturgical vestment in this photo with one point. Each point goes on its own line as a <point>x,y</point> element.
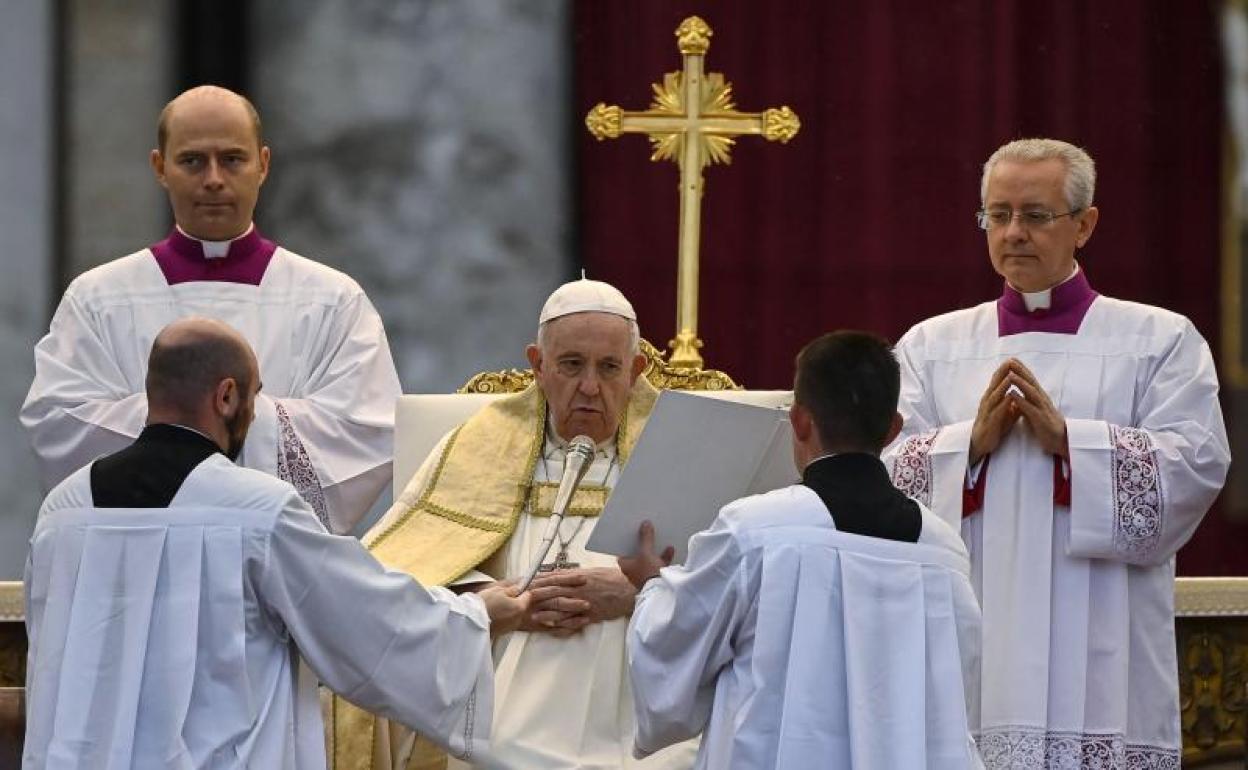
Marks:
<point>1079,666</point>
<point>324,419</point>
<point>560,704</point>
<point>172,638</point>
<point>793,646</point>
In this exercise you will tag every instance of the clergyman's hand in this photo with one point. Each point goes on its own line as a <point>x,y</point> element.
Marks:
<point>1043,418</point>
<point>607,592</point>
<point>507,611</point>
<point>558,615</point>
<point>644,563</point>
<point>996,416</point>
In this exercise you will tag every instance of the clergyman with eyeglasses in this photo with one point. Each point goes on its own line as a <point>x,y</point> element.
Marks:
<point>1077,441</point>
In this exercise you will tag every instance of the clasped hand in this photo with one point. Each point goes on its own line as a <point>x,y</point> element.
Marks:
<point>1014,393</point>
<point>567,600</point>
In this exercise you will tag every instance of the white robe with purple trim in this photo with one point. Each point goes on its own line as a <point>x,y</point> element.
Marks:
<point>324,419</point>
<point>1079,665</point>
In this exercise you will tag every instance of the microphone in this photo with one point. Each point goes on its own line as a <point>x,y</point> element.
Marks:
<point>576,462</point>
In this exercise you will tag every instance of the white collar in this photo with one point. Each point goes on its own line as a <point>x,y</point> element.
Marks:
<point>556,443</point>
<point>1043,299</point>
<point>216,249</point>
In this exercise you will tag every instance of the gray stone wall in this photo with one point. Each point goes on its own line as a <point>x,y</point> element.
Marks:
<point>116,64</point>
<point>118,71</point>
<point>421,147</point>
<point>25,220</point>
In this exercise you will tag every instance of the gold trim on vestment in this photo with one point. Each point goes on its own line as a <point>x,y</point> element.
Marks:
<point>468,510</point>
<point>588,500</point>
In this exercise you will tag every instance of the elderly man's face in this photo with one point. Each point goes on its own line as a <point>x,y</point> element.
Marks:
<point>212,166</point>
<point>1033,258</point>
<point>586,368</point>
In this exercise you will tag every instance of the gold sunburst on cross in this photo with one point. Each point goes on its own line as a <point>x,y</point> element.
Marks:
<point>691,121</point>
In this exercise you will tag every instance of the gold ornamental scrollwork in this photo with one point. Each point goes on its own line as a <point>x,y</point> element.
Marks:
<point>664,376</point>
<point>780,125</point>
<point>1211,630</point>
<point>661,374</point>
<point>603,121</point>
<point>505,381</point>
<point>1213,658</point>
<point>693,36</point>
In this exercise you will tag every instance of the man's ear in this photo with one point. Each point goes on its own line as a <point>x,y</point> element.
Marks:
<point>1087,223</point>
<point>158,166</point>
<point>264,163</point>
<point>639,366</point>
<point>227,398</point>
<point>894,428</point>
<point>534,354</point>
<point>802,421</point>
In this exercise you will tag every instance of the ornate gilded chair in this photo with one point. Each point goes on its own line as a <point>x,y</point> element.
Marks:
<point>421,420</point>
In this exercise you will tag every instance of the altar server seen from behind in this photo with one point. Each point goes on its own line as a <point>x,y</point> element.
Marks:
<point>826,624</point>
<point>173,596</point>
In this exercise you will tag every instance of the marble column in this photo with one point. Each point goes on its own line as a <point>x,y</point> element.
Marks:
<point>26,130</point>
<point>421,147</point>
<point>118,59</point>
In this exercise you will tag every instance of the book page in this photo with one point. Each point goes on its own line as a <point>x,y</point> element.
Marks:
<point>695,455</point>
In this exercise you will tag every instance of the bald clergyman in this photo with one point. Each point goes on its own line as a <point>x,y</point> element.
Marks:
<point>325,421</point>
<point>476,511</point>
<point>173,597</point>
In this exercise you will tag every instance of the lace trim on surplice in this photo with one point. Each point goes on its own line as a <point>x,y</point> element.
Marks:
<point>1029,748</point>
<point>1137,491</point>
<point>912,470</point>
<point>294,465</point>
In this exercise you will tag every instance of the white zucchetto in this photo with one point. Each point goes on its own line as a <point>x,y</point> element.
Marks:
<point>586,296</point>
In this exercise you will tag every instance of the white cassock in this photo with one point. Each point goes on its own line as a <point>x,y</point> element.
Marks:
<point>324,419</point>
<point>1079,663</point>
<point>171,638</point>
<point>560,704</point>
<point>793,646</point>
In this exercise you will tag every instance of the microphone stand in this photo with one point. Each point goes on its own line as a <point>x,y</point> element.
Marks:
<point>575,464</point>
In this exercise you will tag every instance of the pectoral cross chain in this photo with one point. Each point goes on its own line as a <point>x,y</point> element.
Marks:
<point>561,562</point>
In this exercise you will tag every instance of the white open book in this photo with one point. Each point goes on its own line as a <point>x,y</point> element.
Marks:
<point>695,455</point>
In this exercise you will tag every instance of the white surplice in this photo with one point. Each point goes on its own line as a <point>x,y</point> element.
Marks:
<point>1079,662</point>
<point>560,704</point>
<point>325,415</point>
<point>793,646</point>
<point>172,638</point>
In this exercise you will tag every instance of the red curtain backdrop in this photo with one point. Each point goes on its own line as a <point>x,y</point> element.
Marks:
<point>865,220</point>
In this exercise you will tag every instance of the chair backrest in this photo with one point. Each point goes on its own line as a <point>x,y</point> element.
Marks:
<point>420,421</point>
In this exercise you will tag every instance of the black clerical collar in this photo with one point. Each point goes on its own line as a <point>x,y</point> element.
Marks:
<point>149,472</point>
<point>861,498</point>
<point>178,434</point>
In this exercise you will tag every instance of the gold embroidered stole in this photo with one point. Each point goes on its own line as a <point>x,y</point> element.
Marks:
<point>467,512</point>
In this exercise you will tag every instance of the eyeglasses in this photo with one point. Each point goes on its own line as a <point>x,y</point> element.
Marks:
<point>1029,218</point>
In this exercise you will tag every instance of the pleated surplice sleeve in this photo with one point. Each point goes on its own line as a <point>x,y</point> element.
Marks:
<point>419,656</point>
<point>1138,491</point>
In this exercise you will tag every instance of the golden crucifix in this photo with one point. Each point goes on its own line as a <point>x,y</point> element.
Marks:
<point>691,121</point>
